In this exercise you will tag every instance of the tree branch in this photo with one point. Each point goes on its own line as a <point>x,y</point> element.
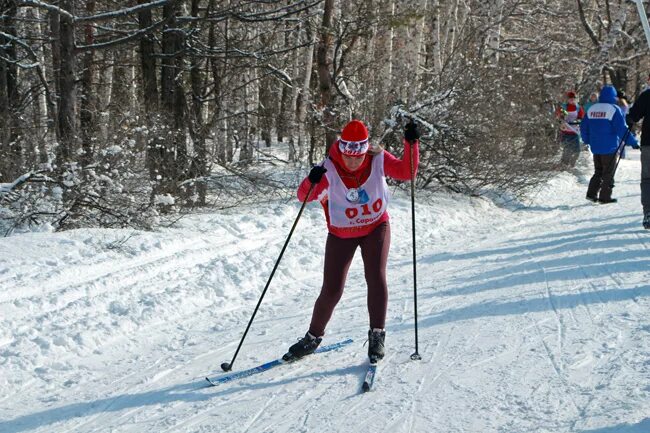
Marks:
<point>586,25</point>
<point>131,37</point>
<point>123,12</point>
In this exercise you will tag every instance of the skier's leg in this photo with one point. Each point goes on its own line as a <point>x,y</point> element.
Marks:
<point>645,185</point>
<point>564,143</point>
<point>596,179</point>
<point>374,251</point>
<point>645,179</point>
<point>570,150</point>
<point>338,256</point>
<point>608,162</point>
<point>575,151</point>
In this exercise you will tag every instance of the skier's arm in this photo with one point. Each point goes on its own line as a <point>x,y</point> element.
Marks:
<point>639,109</point>
<point>400,169</point>
<point>303,189</point>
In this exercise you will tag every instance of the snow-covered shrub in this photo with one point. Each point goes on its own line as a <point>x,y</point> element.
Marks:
<point>482,133</point>
<point>112,191</point>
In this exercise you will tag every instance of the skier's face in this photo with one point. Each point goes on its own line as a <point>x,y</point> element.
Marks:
<point>353,163</point>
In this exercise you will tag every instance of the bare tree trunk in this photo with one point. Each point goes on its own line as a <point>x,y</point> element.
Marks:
<point>287,124</point>
<point>55,50</point>
<point>173,98</point>
<point>150,96</point>
<point>132,77</point>
<point>420,47</point>
<point>303,97</point>
<point>593,73</point>
<point>10,144</point>
<point>43,111</point>
<point>88,107</point>
<point>104,93</point>
<point>199,164</point>
<point>436,41</point>
<point>217,76</point>
<point>267,107</point>
<point>451,26</point>
<point>287,112</point>
<point>493,41</point>
<point>6,172</point>
<point>325,75</point>
<point>249,101</point>
<point>67,126</point>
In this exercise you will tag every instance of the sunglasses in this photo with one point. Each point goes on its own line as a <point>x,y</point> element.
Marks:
<point>353,148</point>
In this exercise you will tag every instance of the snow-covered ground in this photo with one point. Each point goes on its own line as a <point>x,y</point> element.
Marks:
<point>531,320</point>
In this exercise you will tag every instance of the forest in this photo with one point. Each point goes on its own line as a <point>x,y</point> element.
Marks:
<point>130,113</point>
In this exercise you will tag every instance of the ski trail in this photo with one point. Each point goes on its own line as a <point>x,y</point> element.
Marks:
<point>537,323</point>
<point>557,362</point>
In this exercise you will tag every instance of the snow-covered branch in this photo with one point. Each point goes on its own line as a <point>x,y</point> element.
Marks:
<point>94,18</point>
<point>123,12</point>
<point>7,190</point>
<point>131,37</point>
<point>46,6</point>
<point>585,24</point>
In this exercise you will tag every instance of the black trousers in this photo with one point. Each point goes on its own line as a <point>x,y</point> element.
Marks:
<point>602,182</point>
<point>645,178</point>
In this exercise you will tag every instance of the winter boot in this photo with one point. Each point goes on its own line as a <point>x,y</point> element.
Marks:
<point>646,221</point>
<point>376,339</point>
<point>607,200</point>
<point>305,346</point>
<point>591,198</point>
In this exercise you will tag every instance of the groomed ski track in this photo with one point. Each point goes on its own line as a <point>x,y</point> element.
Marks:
<point>531,320</point>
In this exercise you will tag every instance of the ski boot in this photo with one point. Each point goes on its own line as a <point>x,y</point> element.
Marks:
<point>376,338</point>
<point>305,346</point>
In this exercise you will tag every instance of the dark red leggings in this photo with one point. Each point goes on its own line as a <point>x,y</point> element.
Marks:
<point>338,256</point>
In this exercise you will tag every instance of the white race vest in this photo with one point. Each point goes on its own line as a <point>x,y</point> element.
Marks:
<point>357,207</point>
<point>569,121</point>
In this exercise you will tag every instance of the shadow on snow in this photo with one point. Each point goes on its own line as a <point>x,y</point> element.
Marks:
<point>196,391</point>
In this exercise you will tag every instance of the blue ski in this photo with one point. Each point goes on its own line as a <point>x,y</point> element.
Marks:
<point>269,365</point>
<point>370,376</point>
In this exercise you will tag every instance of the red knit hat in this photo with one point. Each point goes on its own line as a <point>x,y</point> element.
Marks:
<point>570,94</point>
<point>354,139</point>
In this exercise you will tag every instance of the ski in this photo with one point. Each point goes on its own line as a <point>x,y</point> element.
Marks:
<point>269,365</point>
<point>370,376</point>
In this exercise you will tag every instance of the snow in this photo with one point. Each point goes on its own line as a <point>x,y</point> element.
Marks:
<point>531,319</point>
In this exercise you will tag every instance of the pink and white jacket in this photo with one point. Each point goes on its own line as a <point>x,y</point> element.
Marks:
<point>395,168</point>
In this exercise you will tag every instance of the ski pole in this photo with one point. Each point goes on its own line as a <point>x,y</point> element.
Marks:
<point>228,366</point>
<point>416,354</point>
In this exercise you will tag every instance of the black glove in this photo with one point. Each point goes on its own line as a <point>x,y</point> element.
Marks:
<point>629,121</point>
<point>316,174</point>
<point>411,133</point>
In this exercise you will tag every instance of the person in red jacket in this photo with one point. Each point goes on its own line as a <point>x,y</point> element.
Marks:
<point>570,114</point>
<point>351,187</point>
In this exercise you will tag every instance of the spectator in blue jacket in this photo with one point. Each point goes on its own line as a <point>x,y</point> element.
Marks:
<point>593,99</point>
<point>603,128</point>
